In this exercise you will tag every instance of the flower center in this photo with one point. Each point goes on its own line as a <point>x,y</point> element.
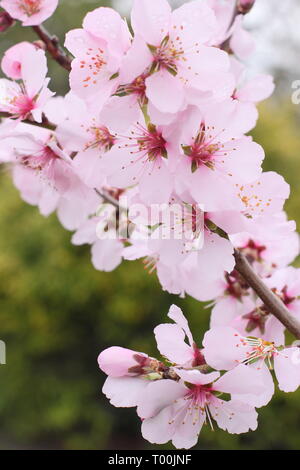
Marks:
<point>260,349</point>
<point>203,150</point>
<point>200,397</point>
<point>166,55</point>
<point>253,251</point>
<point>39,160</point>
<point>137,87</point>
<point>149,142</point>
<point>257,319</point>
<point>284,296</point>
<point>30,7</point>
<point>21,105</point>
<point>100,138</point>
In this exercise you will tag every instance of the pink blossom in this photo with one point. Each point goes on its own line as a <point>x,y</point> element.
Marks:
<point>248,315</point>
<point>171,343</point>
<point>241,41</point>
<point>44,158</point>
<point>286,284</point>
<point>177,410</point>
<point>167,46</point>
<point>98,49</point>
<point>265,196</point>
<point>268,246</point>
<point>30,12</point>
<point>76,206</point>
<point>140,157</point>
<point>129,373</point>
<point>261,354</point>
<point>106,251</point>
<point>247,94</point>
<point>29,97</point>
<point>119,362</point>
<point>214,156</point>
<point>158,121</point>
<point>33,190</point>
<point>12,60</point>
<point>84,133</point>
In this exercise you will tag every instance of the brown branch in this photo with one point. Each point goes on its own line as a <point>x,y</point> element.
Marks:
<point>53,47</point>
<point>270,300</point>
<point>45,124</point>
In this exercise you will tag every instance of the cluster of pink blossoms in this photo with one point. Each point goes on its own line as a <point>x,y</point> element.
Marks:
<point>160,117</point>
<point>224,381</point>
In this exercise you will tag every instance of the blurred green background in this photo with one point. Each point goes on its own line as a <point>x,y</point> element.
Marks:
<point>58,313</point>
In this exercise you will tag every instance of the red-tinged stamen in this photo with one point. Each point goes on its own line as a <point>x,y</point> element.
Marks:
<point>197,404</point>
<point>146,146</point>
<point>207,149</point>
<point>167,54</point>
<point>261,350</point>
<point>253,251</point>
<point>40,160</point>
<point>137,87</point>
<point>236,286</point>
<point>257,319</point>
<point>18,104</point>
<point>100,137</point>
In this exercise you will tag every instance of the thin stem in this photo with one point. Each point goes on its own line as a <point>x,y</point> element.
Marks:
<point>53,47</point>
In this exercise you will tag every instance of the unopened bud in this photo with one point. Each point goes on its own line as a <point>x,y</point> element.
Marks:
<point>6,21</point>
<point>244,6</point>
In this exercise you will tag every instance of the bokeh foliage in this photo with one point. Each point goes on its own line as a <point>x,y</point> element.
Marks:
<point>57,313</point>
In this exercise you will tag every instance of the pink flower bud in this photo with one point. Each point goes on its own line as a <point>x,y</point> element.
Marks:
<point>6,21</point>
<point>119,362</point>
<point>244,6</point>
